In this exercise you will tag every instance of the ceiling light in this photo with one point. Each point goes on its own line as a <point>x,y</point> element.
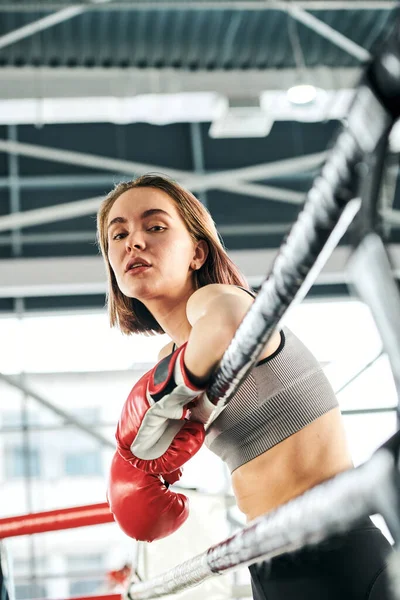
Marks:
<point>302,94</point>
<point>242,123</point>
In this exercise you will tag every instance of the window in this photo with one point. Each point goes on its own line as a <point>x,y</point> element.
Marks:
<point>85,562</point>
<point>20,462</point>
<point>29,591</point>
<point>24,565</point>
<point>91,565</point>
<point>83,463</point>
<point>88,414</point>
<point>86,586</point>
<point>16,418</point>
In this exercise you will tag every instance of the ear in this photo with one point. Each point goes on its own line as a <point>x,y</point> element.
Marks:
<point>200,254</point>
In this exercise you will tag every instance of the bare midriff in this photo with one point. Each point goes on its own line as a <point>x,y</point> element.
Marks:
<point>306,458</point>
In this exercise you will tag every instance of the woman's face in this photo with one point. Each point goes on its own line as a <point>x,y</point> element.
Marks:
<point>150,249</point>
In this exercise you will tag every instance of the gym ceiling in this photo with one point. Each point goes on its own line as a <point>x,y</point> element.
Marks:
<point>92,93</point>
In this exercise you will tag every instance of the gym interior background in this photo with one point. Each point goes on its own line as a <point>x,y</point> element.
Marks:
<point>212,93</point>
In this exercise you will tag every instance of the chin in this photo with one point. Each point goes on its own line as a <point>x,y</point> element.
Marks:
<point>138,292</point>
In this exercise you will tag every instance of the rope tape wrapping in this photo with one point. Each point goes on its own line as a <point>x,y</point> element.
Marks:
<point>331,507</point>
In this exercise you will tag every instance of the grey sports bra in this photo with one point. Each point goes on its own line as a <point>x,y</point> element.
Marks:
<point>281,395</point>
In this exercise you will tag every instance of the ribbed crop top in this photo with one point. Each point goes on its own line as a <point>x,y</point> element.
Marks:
<point>282,394</point>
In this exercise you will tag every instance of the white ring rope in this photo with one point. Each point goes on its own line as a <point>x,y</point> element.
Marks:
<point>329,508</point>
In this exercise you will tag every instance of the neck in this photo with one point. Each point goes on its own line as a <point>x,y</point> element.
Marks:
<point>170,313</point>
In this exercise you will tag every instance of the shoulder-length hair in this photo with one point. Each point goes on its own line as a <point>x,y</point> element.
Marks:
<point>131,315</point>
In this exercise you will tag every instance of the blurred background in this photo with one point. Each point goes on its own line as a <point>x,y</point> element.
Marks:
<point>240,102</point>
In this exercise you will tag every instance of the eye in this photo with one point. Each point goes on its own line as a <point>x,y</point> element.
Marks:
<point>157,228</point>
<point>118,236</point>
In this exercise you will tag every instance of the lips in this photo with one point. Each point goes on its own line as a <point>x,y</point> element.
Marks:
<point>136,263</point>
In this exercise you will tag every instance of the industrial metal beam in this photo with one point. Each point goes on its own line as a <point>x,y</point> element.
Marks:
<point>66,13</point>
<point>297,12</point>
<point>191,180</point>
<point>195,182</point>
<point>325,31</point>
<point>267,192</point>
<point>41,182</point>
<point>36,26</point>
<point>71,83</point>
<point>86,275</point>
<point>314,5</point>
<point>45,182</point>
<point>70,210</point>
<point>50,214</point>
<point>360,371</point>
<point>74,237</point>
<point>61,237</point>
<point>83,159</point>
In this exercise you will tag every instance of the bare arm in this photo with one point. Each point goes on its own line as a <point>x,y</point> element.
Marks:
<point>215,312</point>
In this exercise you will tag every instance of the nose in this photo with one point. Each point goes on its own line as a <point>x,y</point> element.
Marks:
<point>135,240</point>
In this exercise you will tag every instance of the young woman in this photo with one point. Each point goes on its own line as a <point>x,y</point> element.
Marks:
<point>280,434</point>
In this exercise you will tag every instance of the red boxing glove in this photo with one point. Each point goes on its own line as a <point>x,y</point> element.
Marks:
<point>171,478</point>
<point>144,508</point>
<point>152,433</point>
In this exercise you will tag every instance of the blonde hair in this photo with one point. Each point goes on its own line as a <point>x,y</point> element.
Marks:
<point>131,315</point>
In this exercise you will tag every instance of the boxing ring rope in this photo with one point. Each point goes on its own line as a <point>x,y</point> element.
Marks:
<point>104,597</point>
<point>55,520</point>
<point>329,508</point>
<point>338,194</point>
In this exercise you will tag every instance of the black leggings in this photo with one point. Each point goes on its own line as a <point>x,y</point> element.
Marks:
<point>350,566</point>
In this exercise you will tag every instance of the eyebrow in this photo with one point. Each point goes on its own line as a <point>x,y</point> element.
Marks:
<point>147,213</point>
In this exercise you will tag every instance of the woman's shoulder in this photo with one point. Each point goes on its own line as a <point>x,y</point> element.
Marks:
<point>213,290</point>
<point>201,298</point>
